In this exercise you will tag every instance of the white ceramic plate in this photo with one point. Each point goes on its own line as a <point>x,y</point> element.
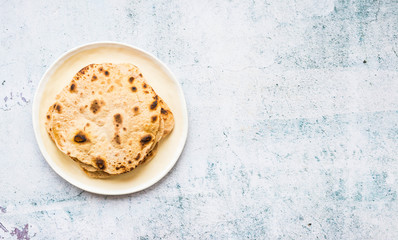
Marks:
<point>159,77</point>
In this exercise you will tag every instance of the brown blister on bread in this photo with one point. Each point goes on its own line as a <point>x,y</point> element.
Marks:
<point>146,139</point>
<point>95,106</point>
<point>100,163</point>
<point>118,118</point>
<point>120,167</point>
<point>154,105</point>
<point>83,70</point>
<point>57,107</point>
<point>117,138</point>
<point>80,137</point>
<point>73,87</point>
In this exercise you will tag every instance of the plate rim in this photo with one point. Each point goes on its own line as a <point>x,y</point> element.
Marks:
<point>35,119</point>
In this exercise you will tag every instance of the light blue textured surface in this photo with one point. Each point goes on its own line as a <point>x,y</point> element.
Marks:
<point>293,111</point>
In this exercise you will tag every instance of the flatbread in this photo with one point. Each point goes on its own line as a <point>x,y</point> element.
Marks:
<point>108,117</point>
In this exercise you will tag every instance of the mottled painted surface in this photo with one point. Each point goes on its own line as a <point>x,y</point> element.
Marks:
<point>293,111</point>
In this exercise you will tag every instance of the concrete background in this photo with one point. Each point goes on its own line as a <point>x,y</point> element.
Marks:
<point>293,110</point>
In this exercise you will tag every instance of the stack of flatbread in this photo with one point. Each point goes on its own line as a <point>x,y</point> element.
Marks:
<point>108,119</point>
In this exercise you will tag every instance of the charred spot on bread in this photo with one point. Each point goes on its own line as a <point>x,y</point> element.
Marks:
<point>57,107</point>
<point>83,70</point>
<point>95,106</point>
<point>117,139</point>
<point>100,163</point>
<point>72,87</point>
<point>146,139</point>
<point>118,118</point>
<point>80,137</point>
<point>119,167</point>
<point>154,105</point>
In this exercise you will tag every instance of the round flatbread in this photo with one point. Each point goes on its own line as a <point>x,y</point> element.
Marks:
<point>108,117</point>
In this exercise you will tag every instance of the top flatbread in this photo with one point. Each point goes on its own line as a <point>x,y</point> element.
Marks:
<point>108,117</point>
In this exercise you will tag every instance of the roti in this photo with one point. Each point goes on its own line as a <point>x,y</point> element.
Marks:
<point>108,118</point>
